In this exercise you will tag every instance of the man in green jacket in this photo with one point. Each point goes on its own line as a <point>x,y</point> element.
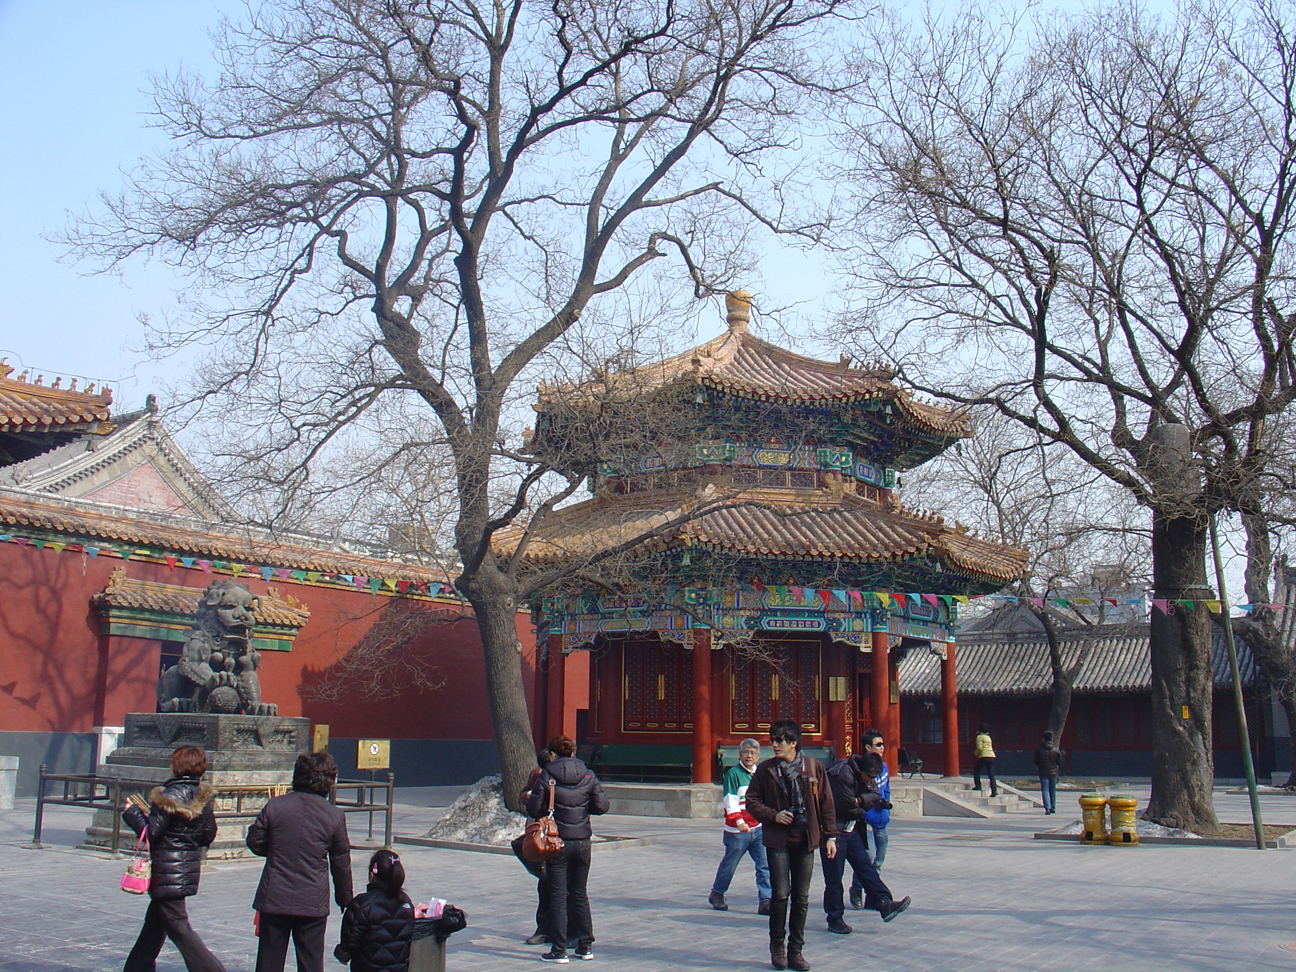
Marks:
<point>742,832</point>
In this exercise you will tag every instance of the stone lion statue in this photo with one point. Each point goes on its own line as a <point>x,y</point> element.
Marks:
<point>217,671</point>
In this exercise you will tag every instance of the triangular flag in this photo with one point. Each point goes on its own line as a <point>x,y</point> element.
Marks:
<point>1186,603</point>
<point>266,572</point>
<point>299,575</point>
<point>22,541</point>
<point>237,569</point>
<point>1212,606</point>
<point>388,582</point>
<point>374,584</point>
<point>433,590</point>
<point>1161,604</point>
<point>348,578</point>
<point>205,566</point>
<point>933,600</point>
<point>402,586</point>
<point>5,537</point>
<point>187,561</point>
<point>1081,600</point>
<point>57,547</point>
<point>92,551</point>
<point>39,544</point>
<point>826,597</point>
<point>1037,601</point>
<point>361,582</point>
<point>884,597</point>
<point>123,552</point>
<point>170,561</point>
<point>219,565</point>
<point>962,599</point>
<point>312,575</point>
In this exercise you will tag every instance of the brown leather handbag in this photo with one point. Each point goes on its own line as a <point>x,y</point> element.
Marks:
<point>541,841</point>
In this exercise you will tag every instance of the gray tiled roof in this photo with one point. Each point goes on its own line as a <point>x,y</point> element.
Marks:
<point>1018,665</point>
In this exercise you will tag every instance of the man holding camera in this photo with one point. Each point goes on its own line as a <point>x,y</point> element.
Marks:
<point>790,796</point>
<point>853,781</point>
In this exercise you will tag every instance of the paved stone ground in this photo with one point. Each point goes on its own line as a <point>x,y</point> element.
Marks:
<point>986,897</point>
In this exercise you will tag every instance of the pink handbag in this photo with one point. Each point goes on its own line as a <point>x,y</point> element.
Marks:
<point>139,872</point>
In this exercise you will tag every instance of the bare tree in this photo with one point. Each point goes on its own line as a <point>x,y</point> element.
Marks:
<point>427,201</point>
<point>1010,482</point>
<point>1094,223</point>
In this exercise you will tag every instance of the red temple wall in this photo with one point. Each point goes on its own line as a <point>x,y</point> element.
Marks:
<point>61,675</point>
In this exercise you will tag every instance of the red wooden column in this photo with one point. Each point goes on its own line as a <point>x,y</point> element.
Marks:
<point>892,729</point>
<point>949,712</point>
<point>703,739</point>
<point>554,682</point>
<point>880,690</point>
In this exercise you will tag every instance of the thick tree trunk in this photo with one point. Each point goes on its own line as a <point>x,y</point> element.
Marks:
<point>1063,677</point>
<point>1183,771</point>
<point>494,602</point>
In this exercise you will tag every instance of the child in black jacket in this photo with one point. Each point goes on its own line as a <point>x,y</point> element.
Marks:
<point>379,924</point>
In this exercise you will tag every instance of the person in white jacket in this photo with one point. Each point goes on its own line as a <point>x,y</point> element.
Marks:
<point>742,832</point>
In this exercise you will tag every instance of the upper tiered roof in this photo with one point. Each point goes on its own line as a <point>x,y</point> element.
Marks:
<point>740,365</point>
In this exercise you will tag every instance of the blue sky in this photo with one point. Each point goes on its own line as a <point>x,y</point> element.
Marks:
<point>73,115</point>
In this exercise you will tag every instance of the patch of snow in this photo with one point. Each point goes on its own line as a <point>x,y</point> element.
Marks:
<point>479,816</point>
<point>1144,828</point>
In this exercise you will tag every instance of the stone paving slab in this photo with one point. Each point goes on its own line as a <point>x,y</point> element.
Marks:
<point>986,897</point>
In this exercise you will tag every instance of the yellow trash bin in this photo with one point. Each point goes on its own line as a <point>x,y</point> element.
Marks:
<point>1124,826</point>
<point>1093,806</point>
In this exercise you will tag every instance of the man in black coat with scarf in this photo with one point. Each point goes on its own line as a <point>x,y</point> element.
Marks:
<point>790,796</point>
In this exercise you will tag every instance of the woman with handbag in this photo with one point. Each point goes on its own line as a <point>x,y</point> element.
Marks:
<point>536,868</point>
<point>180,825</point>
<point>568,792</point>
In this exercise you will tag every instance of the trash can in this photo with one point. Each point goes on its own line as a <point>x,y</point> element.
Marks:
<point>1124,827</point>
<point>426,953</point>
<point>1094,808</point>
<point>8,781</point>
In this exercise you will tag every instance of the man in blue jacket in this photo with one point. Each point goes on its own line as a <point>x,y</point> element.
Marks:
<point>876,818</point>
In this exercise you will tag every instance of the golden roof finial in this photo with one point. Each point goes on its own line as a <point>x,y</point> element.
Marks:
<point>6,369</point>
<point>738,308</point>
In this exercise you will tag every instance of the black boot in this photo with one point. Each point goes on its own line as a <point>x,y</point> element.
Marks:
<point>778,956</point>
<point>796,961</point>
<point>892,908</point>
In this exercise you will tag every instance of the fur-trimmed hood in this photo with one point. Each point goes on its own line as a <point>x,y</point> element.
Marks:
<point>184,797</point>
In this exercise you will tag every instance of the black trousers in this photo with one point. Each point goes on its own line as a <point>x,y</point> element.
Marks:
<point>537,870</point>
<point>851,850</point>
<point>308,940</point>
<point>790,873</point>
<point>569,911</point>
<point>169,918</point>
<point>986,764</point>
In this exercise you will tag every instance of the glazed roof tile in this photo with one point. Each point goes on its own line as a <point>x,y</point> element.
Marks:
<point>1119,661</point>
<point>176,599</point>
<point>29,407</point>
<point>773,523</point>
<point>87,521</point>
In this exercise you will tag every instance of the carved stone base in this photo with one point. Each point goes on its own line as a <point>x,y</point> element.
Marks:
<point>242,751</point>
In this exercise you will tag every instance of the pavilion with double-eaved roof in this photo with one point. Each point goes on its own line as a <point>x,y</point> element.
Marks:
<point>744,557</point>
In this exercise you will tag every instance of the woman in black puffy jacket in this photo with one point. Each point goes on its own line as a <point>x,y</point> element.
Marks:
<point>181,823</point>
<point>379,924</point>
<point>577,794</point>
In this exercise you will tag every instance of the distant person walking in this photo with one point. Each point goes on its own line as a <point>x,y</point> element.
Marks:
<point>983,756</point>
<point>181,824</point>
<point>536,868</point>
<point>854,791</point>
<point>302,837</point>
<point>1048,761</point>
<point>577,794</point>
<point>742,832</point>
<point>790,795</point>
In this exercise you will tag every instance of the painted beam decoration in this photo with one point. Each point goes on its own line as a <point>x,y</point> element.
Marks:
<point>736,613</point>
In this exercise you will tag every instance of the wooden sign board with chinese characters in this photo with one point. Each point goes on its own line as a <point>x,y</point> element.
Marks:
<point>320,742</point>
<point>373,754</point>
